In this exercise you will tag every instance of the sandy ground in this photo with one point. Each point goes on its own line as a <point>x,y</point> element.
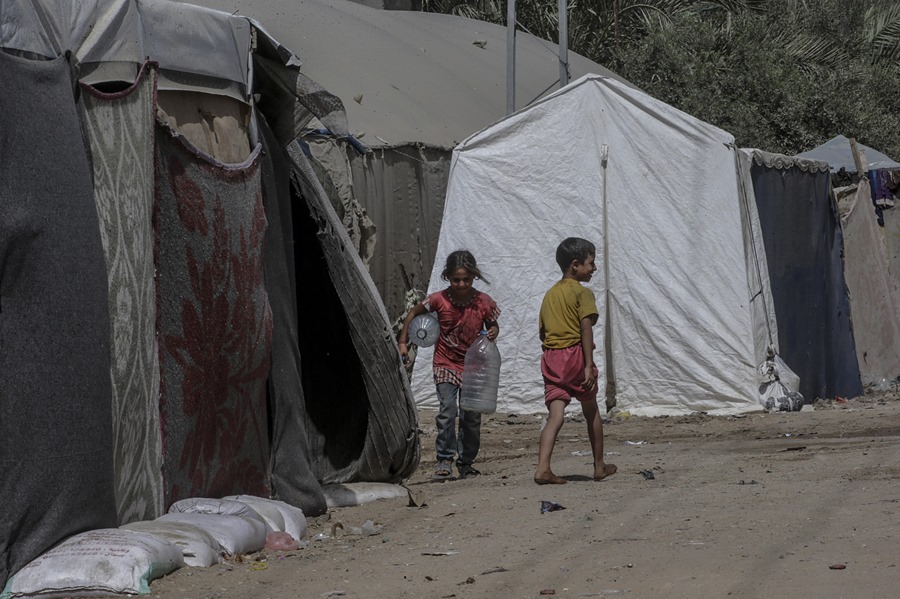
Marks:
<point>802,504</point>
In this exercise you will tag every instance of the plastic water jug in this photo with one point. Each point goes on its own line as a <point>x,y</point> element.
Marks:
<point>424,330</point>
<point>481,377</point>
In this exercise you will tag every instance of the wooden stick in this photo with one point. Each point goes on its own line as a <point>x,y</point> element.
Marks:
<point>859,158</point>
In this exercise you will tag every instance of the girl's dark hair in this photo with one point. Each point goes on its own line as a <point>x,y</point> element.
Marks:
<point>462,259</point>
<point>573,248</point>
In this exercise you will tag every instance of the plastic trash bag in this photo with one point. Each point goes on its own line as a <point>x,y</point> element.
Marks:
<point>779,389</point>
<point>776,397</point>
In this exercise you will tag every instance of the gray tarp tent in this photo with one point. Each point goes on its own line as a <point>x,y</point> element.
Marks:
<point>870,226</point>
<point>186,306</point>
<point>892,242</point>
<point>874,292</point>
<point>414,85</point>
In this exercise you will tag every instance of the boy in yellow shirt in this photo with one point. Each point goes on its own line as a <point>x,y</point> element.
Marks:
<point>568,314</point>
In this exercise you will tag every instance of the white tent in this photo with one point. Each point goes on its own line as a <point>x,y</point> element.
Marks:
<point>682,284</point>
<point>838,153</point>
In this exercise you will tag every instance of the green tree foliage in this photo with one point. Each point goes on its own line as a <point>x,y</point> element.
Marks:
<point>780,75</point>
<point>770,90</point>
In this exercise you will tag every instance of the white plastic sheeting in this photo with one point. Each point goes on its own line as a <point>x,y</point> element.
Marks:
<point>674,251</point>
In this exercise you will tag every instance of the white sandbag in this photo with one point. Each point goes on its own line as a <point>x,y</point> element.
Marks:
<point>198,547</point>
<point>235,535</point>
<point>270,514</point>
<point>107,561</point>
<point>225,507</point>
<point>292,518</point>
<point>348,494</point>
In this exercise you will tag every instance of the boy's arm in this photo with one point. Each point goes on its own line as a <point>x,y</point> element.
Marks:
<point>587,348</point>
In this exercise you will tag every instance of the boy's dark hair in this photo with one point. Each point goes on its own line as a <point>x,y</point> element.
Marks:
<point>573,248</point>
<point>461,259</point>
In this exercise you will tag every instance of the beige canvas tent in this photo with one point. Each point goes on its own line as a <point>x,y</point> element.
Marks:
<point>871,226</point>
<point>874,290</point>
<point>178,294</point>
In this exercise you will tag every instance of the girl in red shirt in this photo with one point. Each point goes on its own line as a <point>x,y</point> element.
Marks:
<point>462,312</point>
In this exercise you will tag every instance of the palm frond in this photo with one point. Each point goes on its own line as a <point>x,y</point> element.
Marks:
<point>882,32</point>
<point>811,54</point>
<point>648,15</point>
<point>471,12</point>
<point>729,6</point>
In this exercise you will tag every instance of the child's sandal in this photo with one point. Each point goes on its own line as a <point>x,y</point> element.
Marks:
<point>444,471</point>
<point>467,471</point>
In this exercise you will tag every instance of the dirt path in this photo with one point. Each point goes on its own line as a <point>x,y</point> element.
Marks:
<point>756,506</point>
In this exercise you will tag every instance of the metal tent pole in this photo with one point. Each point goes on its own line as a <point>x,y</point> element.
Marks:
<point>563,43</point>
<point>608,331</point>
<point>510,56</point>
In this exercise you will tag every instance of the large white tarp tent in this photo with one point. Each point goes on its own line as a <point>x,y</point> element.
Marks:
<point>682,284</point>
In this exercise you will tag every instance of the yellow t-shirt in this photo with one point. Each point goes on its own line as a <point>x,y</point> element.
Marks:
<point>564,305</point>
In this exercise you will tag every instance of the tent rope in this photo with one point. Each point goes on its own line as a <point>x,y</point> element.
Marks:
<point>753,248</point>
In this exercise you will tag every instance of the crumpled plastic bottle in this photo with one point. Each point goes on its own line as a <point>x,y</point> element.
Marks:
<point>424,330</point>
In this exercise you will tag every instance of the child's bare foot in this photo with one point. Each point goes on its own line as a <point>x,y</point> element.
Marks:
<point>604,470</point>
<point>548,478</point>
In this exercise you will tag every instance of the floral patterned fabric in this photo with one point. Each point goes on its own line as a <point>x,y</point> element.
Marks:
<point>214,322</point>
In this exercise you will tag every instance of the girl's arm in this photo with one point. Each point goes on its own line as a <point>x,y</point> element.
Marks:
<point>490,321</point>
<point>587,348</point>
<point>402,341</point>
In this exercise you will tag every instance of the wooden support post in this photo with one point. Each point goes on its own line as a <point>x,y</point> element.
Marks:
<point>859,157</point>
